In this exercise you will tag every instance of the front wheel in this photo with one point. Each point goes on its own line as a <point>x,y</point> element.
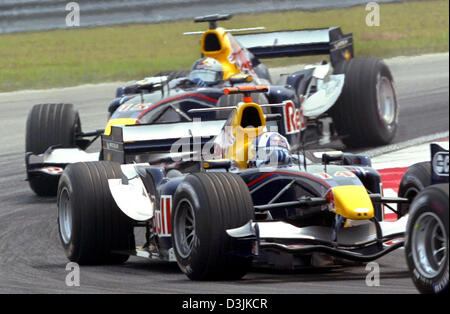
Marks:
<point>426,246</point>
<point>92,229</point>
<point>416,178</point>
<point>205,206</point>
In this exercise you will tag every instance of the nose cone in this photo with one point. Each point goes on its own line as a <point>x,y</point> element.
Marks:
<point>352,202</point>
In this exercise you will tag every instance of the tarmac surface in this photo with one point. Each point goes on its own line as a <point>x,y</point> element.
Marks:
<point>32,259</point>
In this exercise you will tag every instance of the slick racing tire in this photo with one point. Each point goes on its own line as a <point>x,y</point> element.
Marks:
<point>91,226</point>
<point>205,206</point>
<point>366,113</point>
<point>426,246</point>
<point>416,178</point>
<point>49,125</point>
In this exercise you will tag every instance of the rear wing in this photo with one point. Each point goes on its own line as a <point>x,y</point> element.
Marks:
<point>299,43</point>
<point>157,143</point>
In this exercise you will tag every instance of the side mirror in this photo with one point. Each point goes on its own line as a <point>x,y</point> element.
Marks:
<point>144,87</point>
<point>273,117</point>
<point>327,158</point>
<point>216,164</point>
<point>357,159</point>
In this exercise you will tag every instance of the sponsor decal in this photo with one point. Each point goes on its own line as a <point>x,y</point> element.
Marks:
<point>52,170</point>
<point>330,197</point>
<point>163,216</point>
<point>323,175</point>
<point>294,121</point>
<point>347,174</point>
<point>131,107</point>
<point>296,246</point>
<point>277,141</point>
<point>340,44</point>
<point>440,164</point>
<point>394,241</point>
<point>112,146</point>
<point>239,57</point>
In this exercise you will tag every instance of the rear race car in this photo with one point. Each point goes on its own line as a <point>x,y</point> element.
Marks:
<point>346,98</point>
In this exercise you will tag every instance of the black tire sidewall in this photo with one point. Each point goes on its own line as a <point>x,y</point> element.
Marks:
<point>199,254</point>
<point>355,113</point>
<point>433,200</point>
<point>72,251</point>
<point>416,178</point>
<point>98,226</point>
<point>220,201</point>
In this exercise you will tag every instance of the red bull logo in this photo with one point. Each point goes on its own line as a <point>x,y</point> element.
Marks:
<point>294,121</point>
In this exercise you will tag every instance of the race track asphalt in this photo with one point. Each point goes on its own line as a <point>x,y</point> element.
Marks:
<point>31,257</point>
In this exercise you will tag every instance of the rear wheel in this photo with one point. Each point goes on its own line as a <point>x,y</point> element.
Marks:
<point>366,113</point>
<point>205,206</point>
<point>426,246</point>
<point>49,125</point>
<point>92,228</point>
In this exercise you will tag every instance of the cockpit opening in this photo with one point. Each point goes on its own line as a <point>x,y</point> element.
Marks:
<point>250,118</point>
<point>211,43</point>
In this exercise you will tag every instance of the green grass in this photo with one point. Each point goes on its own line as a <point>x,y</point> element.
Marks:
<point>90,55</point>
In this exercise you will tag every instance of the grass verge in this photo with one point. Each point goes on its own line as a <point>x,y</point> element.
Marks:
<point>91,55</point>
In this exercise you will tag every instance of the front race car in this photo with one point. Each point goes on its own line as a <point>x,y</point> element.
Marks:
<point>216,216</point>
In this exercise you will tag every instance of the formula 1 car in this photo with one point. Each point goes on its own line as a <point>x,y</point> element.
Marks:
<point>350,99</point>
<point>249,201</point>
<point>425,184</point>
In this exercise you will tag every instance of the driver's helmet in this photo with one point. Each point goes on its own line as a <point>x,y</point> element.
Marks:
<point>208,71</point>
<point>269,149</point>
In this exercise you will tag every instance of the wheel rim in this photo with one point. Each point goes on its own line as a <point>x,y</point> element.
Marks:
<point>65,216</point>
<point>429,245</point>
<point>184,228</point>
<point>386,100</point>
